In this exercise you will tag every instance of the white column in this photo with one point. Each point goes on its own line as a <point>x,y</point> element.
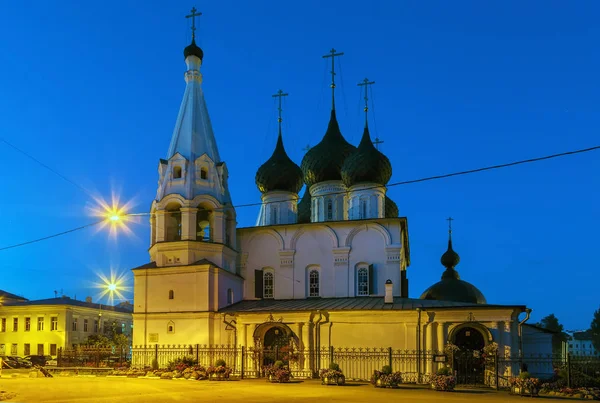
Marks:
<point>161,226</point>
<point>218,227</point>
<point>440,336</point>
<point>307,346</point>
<point>188,223</point>
<point>428,358</point>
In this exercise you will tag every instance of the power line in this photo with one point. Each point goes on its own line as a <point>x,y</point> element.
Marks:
<point>47,167</point>
<point>52,236</point>
<point>425,179</point>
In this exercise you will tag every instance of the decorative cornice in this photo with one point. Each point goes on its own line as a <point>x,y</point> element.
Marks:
<point>393,254</point>
<point>341,256</point>
<point>286,258</point>
<point>193,75</point>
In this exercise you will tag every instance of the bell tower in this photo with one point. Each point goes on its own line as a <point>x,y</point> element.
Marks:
<point>192,217</point>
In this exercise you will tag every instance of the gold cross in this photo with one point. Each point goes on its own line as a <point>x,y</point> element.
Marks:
<point>193,16</point>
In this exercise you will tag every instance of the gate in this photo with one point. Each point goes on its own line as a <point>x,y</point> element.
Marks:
<point>469,367</point>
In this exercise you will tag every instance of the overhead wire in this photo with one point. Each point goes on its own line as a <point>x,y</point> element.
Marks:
<point>407,182</point>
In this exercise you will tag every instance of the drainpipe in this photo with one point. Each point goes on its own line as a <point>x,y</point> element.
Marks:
<point>527,314</point>
<point>231,323</point>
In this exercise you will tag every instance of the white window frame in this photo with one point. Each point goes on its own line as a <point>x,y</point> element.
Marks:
<point>268,290</point>
<point>362,288</point>
<point>329,210</point>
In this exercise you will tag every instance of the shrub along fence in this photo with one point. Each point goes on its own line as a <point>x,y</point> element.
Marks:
<point>91,356</point>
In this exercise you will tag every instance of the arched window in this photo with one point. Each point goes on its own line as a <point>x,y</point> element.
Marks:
<point>203,173</point>
<point>329,210</point>
<point>363,209</point>
<point>313,283</point>
<point>268,284</point>
<point>171,327</point>
<point>362,281</point>
<point>274,215</point>
<point>171,294</point>
<point>229,296</point>
<point>177,172</point>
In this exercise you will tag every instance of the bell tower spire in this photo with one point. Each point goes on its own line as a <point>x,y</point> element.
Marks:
<point>193,205</point>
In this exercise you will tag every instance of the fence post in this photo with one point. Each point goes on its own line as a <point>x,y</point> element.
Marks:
<point>330,354</point>
<point>242,362</point>
<point>156,352</point>
<point>59,357</point>
<point>568,370</point>
<point>497,369</point>
<point>390,357</point>
<point>198,354</point>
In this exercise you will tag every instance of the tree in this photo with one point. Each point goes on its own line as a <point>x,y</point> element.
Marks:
<point>595,330</point>
<point>551,323</point>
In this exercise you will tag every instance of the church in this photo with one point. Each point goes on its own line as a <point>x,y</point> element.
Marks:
<point>328,269</point>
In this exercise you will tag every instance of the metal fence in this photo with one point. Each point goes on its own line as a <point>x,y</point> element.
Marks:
<point>91,356</point>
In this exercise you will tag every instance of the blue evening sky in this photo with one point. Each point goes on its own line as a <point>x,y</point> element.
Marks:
<point>93,90</point>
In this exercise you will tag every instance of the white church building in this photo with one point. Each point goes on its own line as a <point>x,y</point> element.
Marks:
<point>325,269</point>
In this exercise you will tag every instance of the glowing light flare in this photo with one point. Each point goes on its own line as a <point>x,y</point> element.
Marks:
<point>111,286</point>
<point>115,215</point>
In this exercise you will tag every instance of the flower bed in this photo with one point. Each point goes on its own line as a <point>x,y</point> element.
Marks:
<point>524,385</point>
<point>219,372</point>
<point>579,393</point>
<point>332,376</point>
<point>443,380</point>
<point>277,372</point>
<point>386,378</point>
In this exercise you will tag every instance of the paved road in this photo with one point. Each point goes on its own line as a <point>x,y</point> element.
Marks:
<point>131,390</point>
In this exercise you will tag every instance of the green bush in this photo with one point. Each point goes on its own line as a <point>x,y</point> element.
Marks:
<point>155,364</point>
<point>220,363</point>
<point>278,364</point>
<point>386,370</point>
<point>444,371</point>
<point>334,366</point>
<point>186,361</point>
<point>524,375</point>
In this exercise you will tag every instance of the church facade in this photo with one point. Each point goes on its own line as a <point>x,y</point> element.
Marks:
<point>328,269</point>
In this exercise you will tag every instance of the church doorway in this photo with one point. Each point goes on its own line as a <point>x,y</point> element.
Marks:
<point>276,341</point>
<point>469,363</point>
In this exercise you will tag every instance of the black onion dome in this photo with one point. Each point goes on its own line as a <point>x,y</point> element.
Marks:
<point>452,288</point>
<point>324,161</point>
<point>279,172</point>
<point>391,209</point>
<point>304,207</point>
<point>193,50</point>
<point>366,164</point>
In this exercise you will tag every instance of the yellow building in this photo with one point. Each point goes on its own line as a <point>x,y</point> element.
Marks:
<point>41,327</point>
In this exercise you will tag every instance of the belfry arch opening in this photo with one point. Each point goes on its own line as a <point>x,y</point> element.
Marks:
<point>173,222</point>
<point>204,223</point>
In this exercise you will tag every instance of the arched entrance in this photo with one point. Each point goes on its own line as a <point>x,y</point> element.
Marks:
<point>469,363</point>
<point>276,340</point>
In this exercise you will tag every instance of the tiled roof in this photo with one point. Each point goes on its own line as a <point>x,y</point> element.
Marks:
<point>349,304</point>
<point>8,295</point>
<point>71,302</point>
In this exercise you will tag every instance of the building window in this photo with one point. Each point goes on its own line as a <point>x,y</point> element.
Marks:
<point>53,323</point>
<point>229,296</point>
<point>15,324</point>
<point>203,173</point>
<point>171,327</point>
<point>52,349</point>
<point>363,209</point>
<point>176,172</point>
<point>74,326</point>
<point>313,285</point>
<point>27,324</point>
<point>95,326</point>
<point>40,326</point>
<point>171,294</point>
<point>3,325</point>
<point>40,349</point>
<point>85,325</point>
<point>329,210</point>
<point>268,284</point>
<point>13,349</point>
<point>363,281</point>
<point>26,349</point>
